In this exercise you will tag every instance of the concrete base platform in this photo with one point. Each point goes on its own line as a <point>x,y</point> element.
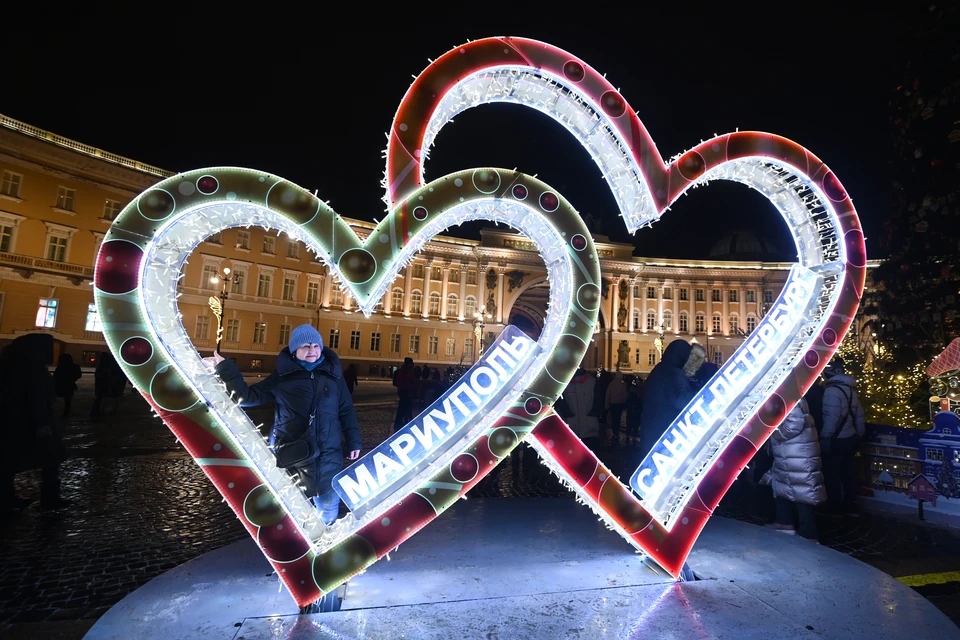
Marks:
<point>541,568</point>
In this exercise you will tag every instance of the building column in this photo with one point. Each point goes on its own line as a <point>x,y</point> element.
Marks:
<point>676,307</point>
<point>327,286</point>
<point>742,293</point>
<point>709,318</point>
<point>659,306</point>
<point>500,271</point>
<point>615,302</point>
<point>444,285</point>
<point>462,307</point>
<point>643,307</point>
<point>692,317</point>
<point>725,320</point>
<point>407,290</point>
<point>425,304</point>
<point>630,283</point>
<point>386,300</point>
<point>482,284</point>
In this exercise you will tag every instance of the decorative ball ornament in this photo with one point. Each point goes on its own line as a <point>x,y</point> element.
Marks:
<point>138,266</point>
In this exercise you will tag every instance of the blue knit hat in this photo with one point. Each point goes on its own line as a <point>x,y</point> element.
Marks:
<point>304,334</point>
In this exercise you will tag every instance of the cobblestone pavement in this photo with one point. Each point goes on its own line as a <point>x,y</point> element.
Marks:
<point>141,506</point>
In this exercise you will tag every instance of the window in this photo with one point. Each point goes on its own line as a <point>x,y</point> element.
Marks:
<point>336,296</point>
<point>933,453</point>
<point>651,320</point>
<point>700,295</point>
<point>394,343</point>
<point>232,333</point>
<point>716,293</point>
<point>733,295</point>
<point>416,302</point>
<point>256,363</point>
<point>65,198</point>
<point>667,293</point>
<point>375,342</point>
<point>716,323</point>
<point>452,301</point>
<point>313,292</point>
<point>471,277</point>
<point>636,321</point>
<point>651,293</point>
<point>396,301</point>
<point>239,280</point>
<point>418,270</point>
<point>260,332</point>
<point>636,291</point>
<point>667,320</point>
<point>718,357</point>
<point>243,240</point>
<point>751,323</point>
<point>751,295</point>
<point>434,304</point>
<point>436,273</point>
<point>293,249</point>
<point>202,329</point>
<point>454,276</point>
<point>433,344</point>
<point>93,319</point>
<point>334,341</point>
<point>451,349</point>
<point>110,209</point>
<point>470,304</point>
<point>215,238</point>
<point>289,288</point>
<point>652,357</point>
<point>209,277</point>
<point>11,184</point>
<point>468,348</point>
<point>355,339</point>
<point>269,245</point>
<point>414,343</point>
<point>265,285</point>
<point>637,356</point>
<point>734,323</point>
<point>684,293</point>
<point>57,247</point>
<point>284,334</point>
<point>683,322</point>
<point>700,323</point>
<point>768,296</point>
<point>6,238</point>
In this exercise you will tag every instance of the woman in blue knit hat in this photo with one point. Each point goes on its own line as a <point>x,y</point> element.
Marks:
<point>314,413</point>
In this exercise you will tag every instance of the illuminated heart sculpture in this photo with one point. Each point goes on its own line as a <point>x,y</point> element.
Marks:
<point>140,263</point>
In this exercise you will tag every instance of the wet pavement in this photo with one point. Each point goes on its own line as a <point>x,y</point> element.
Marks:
<point>141,506</point>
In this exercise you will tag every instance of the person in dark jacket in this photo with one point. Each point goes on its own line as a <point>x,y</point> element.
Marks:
<point>310,392</point>
<point>665,393</point>
<point>843,426</point>
<point>30,435</point>
<point>65,378</point>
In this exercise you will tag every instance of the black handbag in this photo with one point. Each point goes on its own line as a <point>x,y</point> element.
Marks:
<point>299,452</point>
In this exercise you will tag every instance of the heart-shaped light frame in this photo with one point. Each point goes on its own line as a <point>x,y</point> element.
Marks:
<point>142,255</point>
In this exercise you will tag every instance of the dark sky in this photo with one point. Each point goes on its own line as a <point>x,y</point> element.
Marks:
<point>313,106</point>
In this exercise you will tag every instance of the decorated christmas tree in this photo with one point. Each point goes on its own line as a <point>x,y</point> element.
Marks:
<point>947,481</point>
<point>918,283</point>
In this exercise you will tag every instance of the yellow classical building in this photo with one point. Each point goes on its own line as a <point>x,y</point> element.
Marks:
<point>58,198</point>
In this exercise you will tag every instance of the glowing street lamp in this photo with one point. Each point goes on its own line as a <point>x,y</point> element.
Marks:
<point>217,305</point>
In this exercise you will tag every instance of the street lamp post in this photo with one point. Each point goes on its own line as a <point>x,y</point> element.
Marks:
<point>218,304</point>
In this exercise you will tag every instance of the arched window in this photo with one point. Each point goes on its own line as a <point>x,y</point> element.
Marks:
<point>701,323</point>
<point>734,322</point>
<point>651,320</point>
<point>470,304</point>
<point>416,302</point>
<point>684,325</point>
<point>452,301</point>
<point>396,300</point>
<point>667,320</point>
<point>434,304</point>
<point>717,323</point>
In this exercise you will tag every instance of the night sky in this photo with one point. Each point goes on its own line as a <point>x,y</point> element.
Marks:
<point>315,109</point>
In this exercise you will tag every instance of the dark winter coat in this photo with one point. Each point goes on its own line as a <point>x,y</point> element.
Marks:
<point>27,405</point>
<point>298,394</point>
<point>665,393</point>
<point>65,376</point>
<point>842,409</point>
